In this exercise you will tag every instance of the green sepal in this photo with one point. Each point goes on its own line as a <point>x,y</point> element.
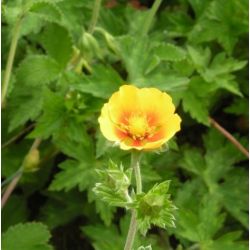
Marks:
<point>114,184</point>
<point>145,248</point>
<point>155,208</point>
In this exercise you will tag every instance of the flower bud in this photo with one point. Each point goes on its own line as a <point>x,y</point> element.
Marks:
<point>31,161</point>
<point>89,46</point>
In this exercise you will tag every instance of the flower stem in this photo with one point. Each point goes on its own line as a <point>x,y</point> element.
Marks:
<point>16,179</point>
<point>95,15</point>
<point>150,17</point>
<point>10,60</point>
<point>135,158</point>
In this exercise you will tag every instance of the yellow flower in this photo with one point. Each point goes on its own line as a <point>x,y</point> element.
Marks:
<point>141,119</point>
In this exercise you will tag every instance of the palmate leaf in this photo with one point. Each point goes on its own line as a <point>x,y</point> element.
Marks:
<point>28,236</point>
<point>53,115</point>
<point>170,52</point>
<point>102,83</point>
<point>216,166</point>
<point>27,96</point>
<point>196,106</point>
<point>25,104</point>
<point>238,107</point>
<point>73,174</point>
<point>218,71</point>
<point>62,207</point>
<point>229,241</point>
<point>101,236</point>
<point>234,192</point>
<point>220,22</point>
<point>197,220</point>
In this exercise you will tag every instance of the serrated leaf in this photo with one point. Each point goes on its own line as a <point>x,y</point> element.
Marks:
<point>196,107</point>
<point>170,52</point>
<point>167,81</point>
<point>46,10</point>
<point>234,195</point>
<point>193,161</point>
<point>73,174</point>
<point>101,236</point>
<point>57,42</point>
<point>37,70</point>
<point>53,116</point>
<point>238,107</point>
<point>218,23</point>
<point>61,208</point>
<point>28,236</point>
<point>200,222</point>
<point>102,83</point>
<point>228,241</point>
<point>25,104</point>
<point>14,212</point>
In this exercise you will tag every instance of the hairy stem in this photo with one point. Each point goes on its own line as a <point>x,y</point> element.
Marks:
<point>150,17</point>
<point>135,158</point>
<point>232,139</point>
<point>95,15</point>
<point>10,60</point>
<point>16,179</point>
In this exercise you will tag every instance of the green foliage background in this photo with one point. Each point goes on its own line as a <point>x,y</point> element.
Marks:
<point>196,50</point>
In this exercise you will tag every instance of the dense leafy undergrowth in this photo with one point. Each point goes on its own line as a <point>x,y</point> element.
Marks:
<point>65,69</point>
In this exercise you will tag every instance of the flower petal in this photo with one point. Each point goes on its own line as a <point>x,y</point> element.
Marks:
<point>106,125</point>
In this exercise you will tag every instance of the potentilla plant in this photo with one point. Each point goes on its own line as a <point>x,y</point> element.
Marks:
<point>138,120</point>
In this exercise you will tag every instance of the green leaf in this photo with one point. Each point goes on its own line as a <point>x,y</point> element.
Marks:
<point>238,107</point>
<point>101,235</point>
<point>15,211</point>
<point>102,83</point>
<point>53,115</point>
<point>155,208</point>
<point>200,222</point>
<point>25,104</point>
<point>193,161</point>
<point>235,195</point>
<point>170,52</point>
<point>168,81</point>
<point>229,241</point>
<point>37,70</point>
<point>196,107</point>
<point>106,212</point>
<point>58,43</point>
<point>200,57</point>
<point>46,10</point>
<point>28,236</point>
<point>73,174</point>
<point>220,22</point>
<point>61,208</point>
